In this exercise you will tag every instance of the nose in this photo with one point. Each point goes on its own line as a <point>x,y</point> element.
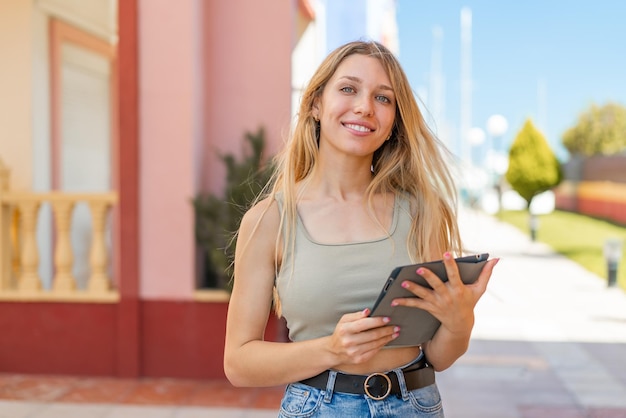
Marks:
<point>364,106</point>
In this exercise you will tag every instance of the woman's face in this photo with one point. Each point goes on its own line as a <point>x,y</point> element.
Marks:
<point>357,108</point>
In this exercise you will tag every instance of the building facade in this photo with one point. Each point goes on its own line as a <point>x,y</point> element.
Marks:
<point>114,115</point>
<point>113,118</point>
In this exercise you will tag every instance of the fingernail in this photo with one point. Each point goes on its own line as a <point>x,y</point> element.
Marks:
<point>386,319</point>
<point>394,303</point>
<point>396,330</point>
<point>405,284</point>
<point>420,271</point>
<point>366,311</point>
<point>446,255</point>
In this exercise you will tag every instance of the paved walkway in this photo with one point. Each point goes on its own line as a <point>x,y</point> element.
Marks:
<point>549,339</point>
<point>549,342</point>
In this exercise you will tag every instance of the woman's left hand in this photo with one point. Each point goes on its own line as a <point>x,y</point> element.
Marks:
<point>451,302</point>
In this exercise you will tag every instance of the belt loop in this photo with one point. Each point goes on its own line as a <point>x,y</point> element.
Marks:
<point>402,383</point>
<point>330,386</point>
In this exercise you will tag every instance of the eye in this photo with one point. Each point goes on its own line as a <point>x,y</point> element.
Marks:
<point>347,89</point>
<point>383,99</point>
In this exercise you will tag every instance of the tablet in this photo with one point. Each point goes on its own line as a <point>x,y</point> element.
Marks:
<point>417,325</point>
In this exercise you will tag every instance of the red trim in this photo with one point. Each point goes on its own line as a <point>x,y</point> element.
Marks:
<point>128,343</point>
<point>183,339</point>
<point>186,340</point>
<point>179,339</point>
<point>128,326</point>
<point>57,338</point>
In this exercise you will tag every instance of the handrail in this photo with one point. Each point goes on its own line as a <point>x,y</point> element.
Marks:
<point>19,254</point>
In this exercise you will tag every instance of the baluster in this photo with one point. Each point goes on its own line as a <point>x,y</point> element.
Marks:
<point>29,279</point>
<point>16,262</point>
<point>5,176</point>
<point>63,255</point>
<point>7,251</point>
<point>5,227</point>
<point>98,258</point>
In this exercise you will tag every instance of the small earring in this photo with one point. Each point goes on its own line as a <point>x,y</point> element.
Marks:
<point>317,129</point>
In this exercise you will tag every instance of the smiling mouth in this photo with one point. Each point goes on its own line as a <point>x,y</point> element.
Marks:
<point>359,128</point>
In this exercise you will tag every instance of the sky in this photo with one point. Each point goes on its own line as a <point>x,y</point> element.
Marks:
<point>547,60</point>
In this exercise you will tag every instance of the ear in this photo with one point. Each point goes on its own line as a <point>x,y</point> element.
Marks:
<point>315,110</point>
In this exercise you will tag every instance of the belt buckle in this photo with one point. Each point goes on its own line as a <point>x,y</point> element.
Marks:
<point>377,386</point>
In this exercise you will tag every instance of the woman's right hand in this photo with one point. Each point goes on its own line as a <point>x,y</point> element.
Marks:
<point>357,338</point>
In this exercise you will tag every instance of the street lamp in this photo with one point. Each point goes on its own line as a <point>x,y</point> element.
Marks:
<point>497,126</point>
<point>473,177</point>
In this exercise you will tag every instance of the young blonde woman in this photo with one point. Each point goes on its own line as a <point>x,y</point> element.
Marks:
<point>361,187</point>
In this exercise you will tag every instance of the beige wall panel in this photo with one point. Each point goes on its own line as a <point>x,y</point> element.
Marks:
<point>15,90</point>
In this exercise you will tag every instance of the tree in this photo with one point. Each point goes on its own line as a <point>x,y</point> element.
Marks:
<point>599,131</point>
<point>533,167</point>
<point>218,217</point>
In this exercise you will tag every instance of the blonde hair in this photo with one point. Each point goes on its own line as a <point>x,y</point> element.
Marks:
<point>411,163</point>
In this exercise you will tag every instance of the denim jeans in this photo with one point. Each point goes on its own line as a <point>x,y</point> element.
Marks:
<point>305,401</point>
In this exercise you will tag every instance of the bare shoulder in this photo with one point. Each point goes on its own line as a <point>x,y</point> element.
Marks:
<point>265,212</point>
<point>256,252</point>
<point>263,217</point>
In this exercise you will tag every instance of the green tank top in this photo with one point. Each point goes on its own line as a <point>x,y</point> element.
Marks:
<point>321,282</point>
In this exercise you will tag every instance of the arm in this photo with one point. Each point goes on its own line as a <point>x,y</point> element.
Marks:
<point>250,361</point>
<point>453,304</point>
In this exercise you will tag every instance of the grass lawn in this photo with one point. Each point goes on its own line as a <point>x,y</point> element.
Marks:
<point>578,237</point>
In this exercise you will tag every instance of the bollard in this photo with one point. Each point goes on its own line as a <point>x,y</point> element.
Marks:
<point>533,225</point>
<point>612,254</point>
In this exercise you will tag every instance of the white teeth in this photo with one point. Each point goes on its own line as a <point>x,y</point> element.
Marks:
<point>358,127</point>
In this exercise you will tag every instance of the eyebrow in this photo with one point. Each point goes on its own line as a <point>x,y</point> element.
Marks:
<point>358,80</point>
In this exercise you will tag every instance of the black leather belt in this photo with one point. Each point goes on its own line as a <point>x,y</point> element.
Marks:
<point>377,385</point>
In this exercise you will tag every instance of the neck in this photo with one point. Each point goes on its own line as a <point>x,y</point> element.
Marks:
<point>340,181</point>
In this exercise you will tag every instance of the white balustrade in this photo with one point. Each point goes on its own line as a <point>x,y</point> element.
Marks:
<point>19,249</point>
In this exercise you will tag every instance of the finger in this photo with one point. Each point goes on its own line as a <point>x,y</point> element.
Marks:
<point>431,278</point>
<point>418,302</point>
<point>383,338</point>
<point>348,323</point>
<point>355,316</point>
<point>378,337</point>
<point>422,293</point>
<point>363,323</point>
<point>485,274</point>
<point>452,270</point>
<point>369,349</point>
<point>367,340</point>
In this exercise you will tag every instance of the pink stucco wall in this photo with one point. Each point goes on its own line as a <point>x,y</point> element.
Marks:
<point>209,71</point>
<point>16,77</point>
<point>248,76</point>
<point>169,66</point>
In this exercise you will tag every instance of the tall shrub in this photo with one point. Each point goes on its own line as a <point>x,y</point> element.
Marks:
<point>217,218</point>
<point>533,167</point>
